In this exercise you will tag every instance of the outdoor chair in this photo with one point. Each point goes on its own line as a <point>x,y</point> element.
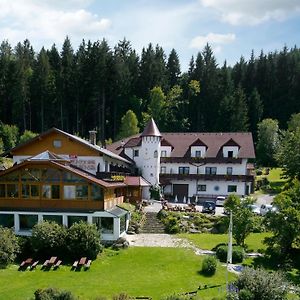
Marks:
<point>88,264</point>
<point>58,263</point>
<point>75,264</point>
<point>45,264</point>
<point>34,265</point>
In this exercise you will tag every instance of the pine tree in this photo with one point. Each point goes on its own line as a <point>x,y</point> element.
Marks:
<point>173,68</point>
<point>129,125</point>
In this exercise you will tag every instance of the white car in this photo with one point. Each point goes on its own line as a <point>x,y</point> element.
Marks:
<point>265,208</point>
<point>255,209</point>
<point>220,200</point>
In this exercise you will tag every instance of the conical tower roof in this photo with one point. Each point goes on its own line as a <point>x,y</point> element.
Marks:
<point>151,129</point>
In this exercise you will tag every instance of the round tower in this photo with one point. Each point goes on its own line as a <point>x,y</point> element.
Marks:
<point>150,153</point>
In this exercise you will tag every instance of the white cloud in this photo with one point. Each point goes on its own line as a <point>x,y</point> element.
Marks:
<point>213,39</point>
<point>49,22</point>
<point>245,12</point>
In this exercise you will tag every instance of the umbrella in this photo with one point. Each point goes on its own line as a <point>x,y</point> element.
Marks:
<point>189,200</point>
<point>176,199</point>
<point>184,199</point>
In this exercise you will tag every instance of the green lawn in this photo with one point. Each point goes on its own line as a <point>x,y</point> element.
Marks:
<point>275,179</point>
<point>154,272</point>
<point>209,241</point>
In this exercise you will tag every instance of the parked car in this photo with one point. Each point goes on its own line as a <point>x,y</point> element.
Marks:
<point>255,209</point>
<point>220,200</point>
<point>265,208</point>
<point>209,207</point>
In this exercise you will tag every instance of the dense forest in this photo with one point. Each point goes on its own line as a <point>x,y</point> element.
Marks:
<point>94,87</point>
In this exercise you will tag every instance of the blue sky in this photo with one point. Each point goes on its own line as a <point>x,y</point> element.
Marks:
<point>232,27</point>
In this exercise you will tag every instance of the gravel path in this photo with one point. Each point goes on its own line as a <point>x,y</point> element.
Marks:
<point>163,240</point>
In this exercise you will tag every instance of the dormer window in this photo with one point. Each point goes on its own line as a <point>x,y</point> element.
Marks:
<point>197,153</point>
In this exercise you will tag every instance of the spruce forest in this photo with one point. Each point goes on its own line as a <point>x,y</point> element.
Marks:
<point>94,86</point>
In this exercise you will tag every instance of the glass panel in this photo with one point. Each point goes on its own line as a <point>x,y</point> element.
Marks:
<point>25,191</point>
<point>46,190</point>
<point>97,221</point>
<point>34,191</point>
<point>56,219</point>
<point>107,225</point>
<point>70,177</point>
<point>12,191</point>
<point>97,192</point>
<point>7,220</point>
<point>51,175</point>
<point>81,191</point>
<point>55,192</point>
<point>75,219</point>
<point>27,221</point>
<point>51,191</point>
<point>69,191</point>
<point>2,190</point>
<point>14,176</point>
<point>31,175</point>
<point>122,224</point>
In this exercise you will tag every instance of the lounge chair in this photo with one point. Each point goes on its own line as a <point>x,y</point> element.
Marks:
<point>75,265</point>
<point>58,263</point>
<point>34,265</point>
<point>88,264</point>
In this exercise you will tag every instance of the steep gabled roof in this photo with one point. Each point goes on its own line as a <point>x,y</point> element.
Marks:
<point>73,137</point>
<point>231,142</point>
<point>151,129</point>
<point>198,142</point>
<point>47,155</point>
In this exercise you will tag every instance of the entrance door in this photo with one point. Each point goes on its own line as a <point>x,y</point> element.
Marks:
<point>181,191</point>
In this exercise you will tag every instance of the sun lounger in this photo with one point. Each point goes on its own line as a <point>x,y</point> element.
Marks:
<point>82,261</point>
<point>45,264</point>
<point>52,260</point>
<point>34,265</point>
<point>75,264</point>
<point>88,264</point>
<point>58,263</point>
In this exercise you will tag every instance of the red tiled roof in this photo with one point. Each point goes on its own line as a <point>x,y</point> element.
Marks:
<point>134,142</point>
<point>181,142</point>
<point>136,181</point>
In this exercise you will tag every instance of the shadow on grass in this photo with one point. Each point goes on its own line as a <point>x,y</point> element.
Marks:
<point>204,274</point>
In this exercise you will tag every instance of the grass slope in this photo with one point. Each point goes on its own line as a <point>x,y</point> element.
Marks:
<point>154,272</point>
<point>209,241</point>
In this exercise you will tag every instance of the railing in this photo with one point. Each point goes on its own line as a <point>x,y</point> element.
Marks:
<point>110,175</point>
<point>245,178</point>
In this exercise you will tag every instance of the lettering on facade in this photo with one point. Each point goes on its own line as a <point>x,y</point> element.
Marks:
<point>85,164</point>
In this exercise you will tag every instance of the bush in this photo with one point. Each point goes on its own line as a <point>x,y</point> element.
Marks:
<point>9,246</point>
<point>172,225</point>
<point>260,284</point>
<point>53,294</point>
<point>238,254</point>
<point>48,239</point>
<point>83,240</point>
<point>209,265</point>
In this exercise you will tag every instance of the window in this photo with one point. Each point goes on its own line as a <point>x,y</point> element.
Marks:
<point>155,154</point>
<point>53,218</point>
<point>51,191</point>
<point>163,153</point>
<point>12,190</point>
<point>7,220</point>
<point>57,143</point>
<point>122,223</point>
<point>210,170</point>
<point>30,191</point>
<point>201,188</point>
<point>230,153</point>
<point>197,153</point>
<point>231,189</point>
<point>97,192</point>
<point>229,170</point>
<point>75,219</point>
<point>183,170</point>
<point>2,190</point>
<point>105,225</point>
<point>163,170</point>
<point>135,153</point>
<point>27,221</point>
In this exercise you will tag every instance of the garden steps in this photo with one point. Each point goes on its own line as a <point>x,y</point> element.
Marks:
<point>152,224</point>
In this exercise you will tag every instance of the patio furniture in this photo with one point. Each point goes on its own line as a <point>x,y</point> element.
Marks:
<point>52,260</point>
<point>58,263</point>
<point>82,261</point>
<point>88,264</point>
<point>34,265</point>
<point>45,264</point>
<point>75,265</point>
<point>25,263</point>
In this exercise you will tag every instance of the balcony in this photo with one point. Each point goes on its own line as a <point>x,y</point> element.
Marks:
<point>208,177</point>
<point>200,160</point>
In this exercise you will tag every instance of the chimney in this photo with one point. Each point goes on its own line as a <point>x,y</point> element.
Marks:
<point>93,137</point>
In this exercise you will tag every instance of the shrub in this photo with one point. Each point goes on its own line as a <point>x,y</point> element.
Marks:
<point>172,225</point>
<point>83,240</point>
<point>238,254</point>
<point>209,265</point>
<point>260,284</point>
<point>48,239</point>
<point>53,294</point>
<point>9,246</point>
